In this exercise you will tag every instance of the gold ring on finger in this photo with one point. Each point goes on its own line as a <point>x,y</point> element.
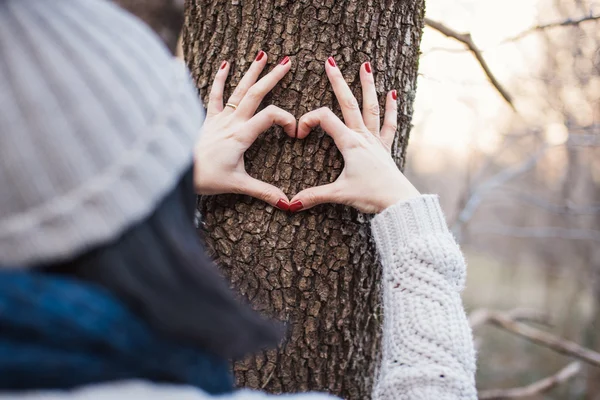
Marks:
<point>231,105</point>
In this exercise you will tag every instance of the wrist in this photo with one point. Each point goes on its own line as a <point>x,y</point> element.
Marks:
<point>399,192</point>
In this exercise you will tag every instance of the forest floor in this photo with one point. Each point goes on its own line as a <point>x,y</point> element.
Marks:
<point>505,360</point>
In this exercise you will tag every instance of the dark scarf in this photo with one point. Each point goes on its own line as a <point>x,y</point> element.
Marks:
<point>59,333</point>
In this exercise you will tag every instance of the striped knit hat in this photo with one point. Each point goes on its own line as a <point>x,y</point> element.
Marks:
<point>97,123</point>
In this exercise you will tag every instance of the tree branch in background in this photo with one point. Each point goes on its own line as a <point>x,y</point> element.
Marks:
<point>466,39</point>
<point>476,195</point>
<point>566,209</point>
<point>482,316</point>
<point>536,388</point>
<point>165,17</point>
<point>535,335</point>
<point>568,22</point>
<point>508,322</point>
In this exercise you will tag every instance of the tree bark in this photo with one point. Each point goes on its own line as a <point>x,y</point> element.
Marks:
<point>317,270</point>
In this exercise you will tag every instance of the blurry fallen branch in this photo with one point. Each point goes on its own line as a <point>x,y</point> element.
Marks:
<point>467,40</point>
<point>568,22</point>
<point>535,335</point>
<point>482,316</point>
<point>536,388</point>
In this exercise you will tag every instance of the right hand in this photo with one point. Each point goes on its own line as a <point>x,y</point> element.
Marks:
<point>370,180</point>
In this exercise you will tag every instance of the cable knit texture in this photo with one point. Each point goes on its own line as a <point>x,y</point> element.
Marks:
<point>427,343</point>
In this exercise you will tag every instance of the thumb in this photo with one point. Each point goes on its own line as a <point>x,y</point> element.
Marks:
<point>265,192</point>
<point>313,196</point>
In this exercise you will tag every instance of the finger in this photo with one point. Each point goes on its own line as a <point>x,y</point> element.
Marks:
<point>330,123</point>
<point>390,119</point>
<point>248,79</point>
<point>370,111</point>
<point>313,196</point>
<point>258,91</point>
<point>215,98</point>
<point>265,192</point>
<point>268,117</point>
<point>348,103</point>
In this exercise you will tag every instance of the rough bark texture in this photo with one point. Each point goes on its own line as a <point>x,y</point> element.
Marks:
<point>318,269</point>
<point>165,17</point>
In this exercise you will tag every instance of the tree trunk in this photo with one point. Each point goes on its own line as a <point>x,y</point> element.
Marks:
<point>317,270</point>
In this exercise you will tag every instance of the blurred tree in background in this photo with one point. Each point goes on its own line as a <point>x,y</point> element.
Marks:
<point>523,194</point>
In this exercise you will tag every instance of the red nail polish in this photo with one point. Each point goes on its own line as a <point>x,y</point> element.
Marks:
<point>394,95</point>
<point>331,61</point>
<point>285,60</point>
<point>283,205</point>
<point>368,67</point>
<point>296,206</point>
<point>224,65</point>
<point>260,55</point>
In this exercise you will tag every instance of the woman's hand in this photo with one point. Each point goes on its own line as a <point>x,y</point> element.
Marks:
<point>370,181</point>
<point>229,131</point>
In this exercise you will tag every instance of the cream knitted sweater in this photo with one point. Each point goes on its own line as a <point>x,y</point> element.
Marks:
<point>427,344</point>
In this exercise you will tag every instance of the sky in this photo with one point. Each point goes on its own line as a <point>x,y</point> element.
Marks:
<point>456,107</point>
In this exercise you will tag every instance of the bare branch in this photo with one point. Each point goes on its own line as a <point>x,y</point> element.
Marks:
<point>536,388</point>
<point>567,208</point>
<point>467,40</point>
<point>537,28</point>
<point>543,338</point>
<point>482,316</point>
<point>477,195</point>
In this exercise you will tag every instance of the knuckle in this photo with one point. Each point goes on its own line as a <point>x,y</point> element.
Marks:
<point>272,109</point>
<point>351,103</point>
<point>373,109</point>
<point>265,195</point>
<point>239,91</point>
<point>254,93</point>
<point>392,126</point>
<point>312,198</point>
<point>325,112</point>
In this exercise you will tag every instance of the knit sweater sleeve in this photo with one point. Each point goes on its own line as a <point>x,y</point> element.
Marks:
<point>427,343</point>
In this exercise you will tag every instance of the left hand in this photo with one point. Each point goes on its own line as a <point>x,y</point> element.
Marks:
<point>228,132</point>
<point>370,180</point>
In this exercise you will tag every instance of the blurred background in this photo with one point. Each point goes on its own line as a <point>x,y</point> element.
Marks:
<point>521,189</point>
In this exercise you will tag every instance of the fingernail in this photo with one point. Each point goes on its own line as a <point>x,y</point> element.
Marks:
<point>368,67</point>
<point>331,61</point>
<point>296,206</point>
<point>394,95</point>
<point>260,55</point>
<point>285,60</point>
<point>283,205</point>
<point>224,65</point>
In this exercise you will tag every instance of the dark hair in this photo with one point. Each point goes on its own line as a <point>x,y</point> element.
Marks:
<point>160,270</point>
